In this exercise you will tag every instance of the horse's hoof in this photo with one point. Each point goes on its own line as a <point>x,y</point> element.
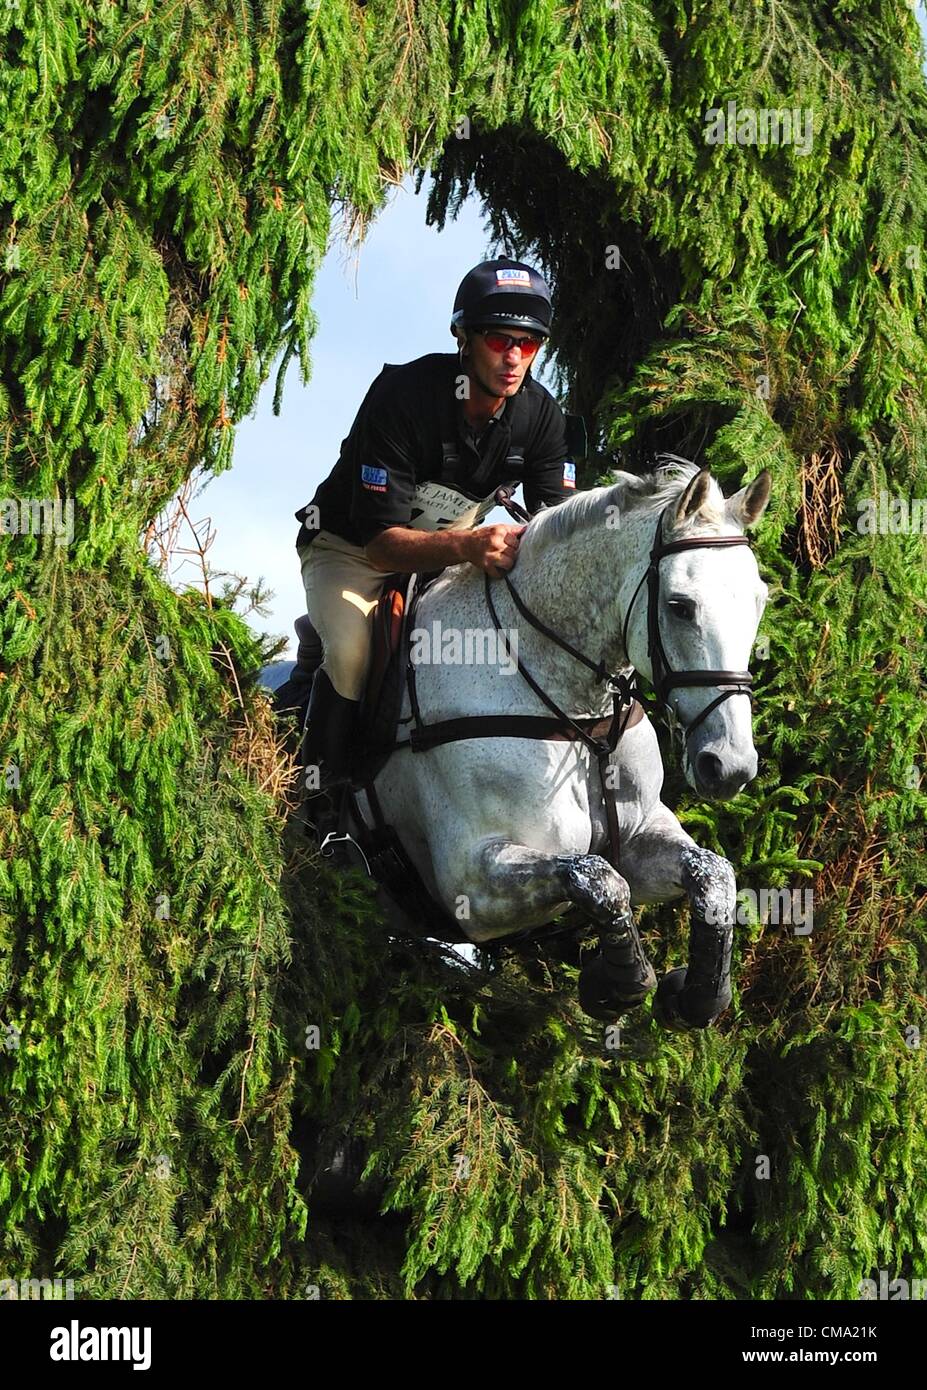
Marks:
<point>665,1004</point>
<point>608,988</point>
<point>682,1012</point>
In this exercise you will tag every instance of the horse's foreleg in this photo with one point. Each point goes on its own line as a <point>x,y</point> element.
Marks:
<point>663,862</point>
<point>513,886</point>
<point>695,996</point>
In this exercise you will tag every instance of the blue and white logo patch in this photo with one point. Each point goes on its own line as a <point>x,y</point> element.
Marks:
<point>374,478</point>
<point>569,474</point>
<point>511,275</point>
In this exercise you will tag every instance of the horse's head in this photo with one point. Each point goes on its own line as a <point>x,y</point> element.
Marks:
<point>694,623</point>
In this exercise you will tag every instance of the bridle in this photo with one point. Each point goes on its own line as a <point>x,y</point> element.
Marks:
<point>664,678</point>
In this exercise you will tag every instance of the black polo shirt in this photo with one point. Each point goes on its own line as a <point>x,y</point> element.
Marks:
<point>412,458</point>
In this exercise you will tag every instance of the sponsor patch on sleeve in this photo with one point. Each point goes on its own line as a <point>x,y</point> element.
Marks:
<point>569,474</point>
<point>509,277</point>
<point>374,479</point>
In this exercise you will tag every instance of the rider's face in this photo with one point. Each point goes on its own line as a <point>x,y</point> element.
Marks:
<point>504,372</point>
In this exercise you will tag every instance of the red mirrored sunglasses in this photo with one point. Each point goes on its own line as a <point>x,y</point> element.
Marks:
<point>501,342</point>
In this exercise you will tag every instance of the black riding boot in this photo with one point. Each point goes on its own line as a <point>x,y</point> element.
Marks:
<point>328,745</point>
<point>294,693</point>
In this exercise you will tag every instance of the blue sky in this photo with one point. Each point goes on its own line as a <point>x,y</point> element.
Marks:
<point>389,301</point>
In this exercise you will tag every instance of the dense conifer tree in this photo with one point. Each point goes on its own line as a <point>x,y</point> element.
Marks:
<point>167,179</point>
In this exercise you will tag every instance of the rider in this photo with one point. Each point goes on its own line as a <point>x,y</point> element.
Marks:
<point>431,443</point>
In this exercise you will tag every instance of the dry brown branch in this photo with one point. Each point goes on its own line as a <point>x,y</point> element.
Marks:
<point>162,538</point>
<point>821,506</point>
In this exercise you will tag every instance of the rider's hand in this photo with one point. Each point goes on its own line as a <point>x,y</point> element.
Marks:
<point>493,548</point>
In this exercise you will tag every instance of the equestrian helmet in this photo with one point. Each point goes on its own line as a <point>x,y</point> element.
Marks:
<point>503,294</point>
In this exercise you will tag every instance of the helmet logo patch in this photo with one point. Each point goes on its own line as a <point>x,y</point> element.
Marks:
<point>510,277</point>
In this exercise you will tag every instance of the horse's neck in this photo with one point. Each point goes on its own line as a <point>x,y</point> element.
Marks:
<point>574,586</point>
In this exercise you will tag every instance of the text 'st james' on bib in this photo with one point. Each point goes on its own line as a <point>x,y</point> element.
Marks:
<point>436,507</point>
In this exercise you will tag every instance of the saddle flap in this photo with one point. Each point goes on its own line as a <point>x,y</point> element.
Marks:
<point>382,699</point>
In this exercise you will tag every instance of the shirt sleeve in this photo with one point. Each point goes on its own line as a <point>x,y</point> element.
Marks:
<point>383,484</point>
<point>550,473</point>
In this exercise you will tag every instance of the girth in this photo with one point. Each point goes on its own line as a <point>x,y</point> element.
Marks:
<point>541,726</point>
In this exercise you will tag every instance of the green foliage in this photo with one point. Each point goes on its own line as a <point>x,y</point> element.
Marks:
<point>167,179</point>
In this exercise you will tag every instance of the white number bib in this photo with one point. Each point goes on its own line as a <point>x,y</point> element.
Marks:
<point>437,507</point>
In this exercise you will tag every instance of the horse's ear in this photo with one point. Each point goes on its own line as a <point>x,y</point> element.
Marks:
<point>748,505</point>
<point>693,495</point>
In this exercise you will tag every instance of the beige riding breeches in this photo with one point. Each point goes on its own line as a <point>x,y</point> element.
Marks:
<point>342,589</point>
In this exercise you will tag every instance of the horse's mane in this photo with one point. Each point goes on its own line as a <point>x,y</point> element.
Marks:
<point>644,494</point>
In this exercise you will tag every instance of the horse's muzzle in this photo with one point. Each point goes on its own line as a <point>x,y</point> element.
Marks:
<point>720,774</point>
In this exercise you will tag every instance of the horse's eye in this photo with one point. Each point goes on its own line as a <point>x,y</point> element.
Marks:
<point>681,607</point>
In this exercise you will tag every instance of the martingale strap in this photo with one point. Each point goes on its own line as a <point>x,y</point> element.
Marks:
<point>597,733</point>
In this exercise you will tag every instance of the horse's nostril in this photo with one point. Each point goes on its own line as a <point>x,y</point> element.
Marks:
<point>709,768</point>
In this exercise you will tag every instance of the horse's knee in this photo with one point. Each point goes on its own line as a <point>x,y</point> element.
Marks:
<point>709,880</point>
<point>594,884</point>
